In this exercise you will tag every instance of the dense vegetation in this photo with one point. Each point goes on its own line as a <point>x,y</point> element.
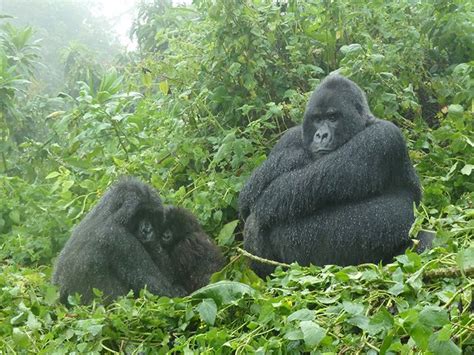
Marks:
<point>210,90</point>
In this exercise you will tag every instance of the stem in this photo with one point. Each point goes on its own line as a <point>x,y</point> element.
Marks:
<point>117,133</point>
<point>450,272</point>
<point>261,260</point>
<point>458,292</point>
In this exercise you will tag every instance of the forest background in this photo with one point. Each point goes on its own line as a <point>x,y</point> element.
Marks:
<point>199,104</point>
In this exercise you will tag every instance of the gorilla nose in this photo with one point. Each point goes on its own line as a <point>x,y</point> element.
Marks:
<point>322,136</point>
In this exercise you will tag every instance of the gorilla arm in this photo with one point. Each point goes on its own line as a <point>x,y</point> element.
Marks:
<point>367,231</point>
<point>373,161</point>
<point>287,155</point>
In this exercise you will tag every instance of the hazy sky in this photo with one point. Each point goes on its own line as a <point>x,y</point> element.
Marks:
<point>121,14</point>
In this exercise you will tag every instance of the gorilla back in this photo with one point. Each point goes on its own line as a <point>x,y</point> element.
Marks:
<point>109,249</point>
<point>339,189</point>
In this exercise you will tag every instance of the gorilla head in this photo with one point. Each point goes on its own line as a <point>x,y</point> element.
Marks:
<point>194,254</point>
<point>133,205</point>
<point>337,102</point>
<point>180,224</point>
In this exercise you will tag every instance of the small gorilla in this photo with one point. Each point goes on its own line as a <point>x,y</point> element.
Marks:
<point>195,256</point>
<point>110,248</point>
<point>339,189</point>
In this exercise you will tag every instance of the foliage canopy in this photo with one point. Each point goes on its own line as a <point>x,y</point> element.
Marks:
<point>194,112</point>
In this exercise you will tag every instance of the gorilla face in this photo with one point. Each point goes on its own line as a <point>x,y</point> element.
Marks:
<point>195,257</point>
<point>146,225</point>
<point>144,231</point>
<point>179,225</point>
<point>336,111</point>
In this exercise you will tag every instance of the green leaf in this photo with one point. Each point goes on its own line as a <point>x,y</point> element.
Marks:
<point>103,96</point>
<point>369,275</point>
<point>421,335</point>
<point>19,318</point>
<point>164,87</point>
<point>20,338</point>
<point>207,311</point>
<point>312,333</point>
<point>445,333</point>
<point>329,300</point>
<point>15,216</point>
<point>82,347</point>
<point>467,169</point>
<point>439,347</point>
<point>52,175</point>
<point>387,341</point>
<point>396,289</point>
<point>380,321</point>
<point>398,275</point>
<point>294,335</point>
<point>226,235</point>
<point>224,292</point>
<point>351,48</point>
<point>457,109</point>
<point>32,322</point>
<point>51,295</point>
<point>433,316</point>
<point>377,58</point>
<point>234,69</point>
<point>92,326</point>
<point>353,308</point>
<point>465,258</point>
<point>67,184</point>
<point>416,280</point>
<point>302,314</point>
<point>359,321</point>
<point>342,276</point>
<point>409,316</point>
<point>147,79</point>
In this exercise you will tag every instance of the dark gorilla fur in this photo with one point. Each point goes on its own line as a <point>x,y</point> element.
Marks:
<point>195,256</point>
<point>338,189</point>
<point>110,248</point>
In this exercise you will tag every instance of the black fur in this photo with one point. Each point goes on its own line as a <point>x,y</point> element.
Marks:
<point>110,248</point>
<point>195,256</point>
<point>339,189</point>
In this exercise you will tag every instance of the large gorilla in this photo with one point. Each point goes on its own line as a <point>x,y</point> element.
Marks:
<point>339,189</point>
<point>128,242</point>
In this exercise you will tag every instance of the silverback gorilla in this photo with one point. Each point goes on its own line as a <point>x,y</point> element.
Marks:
<point>121,246</point>
<point>339,189</point>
